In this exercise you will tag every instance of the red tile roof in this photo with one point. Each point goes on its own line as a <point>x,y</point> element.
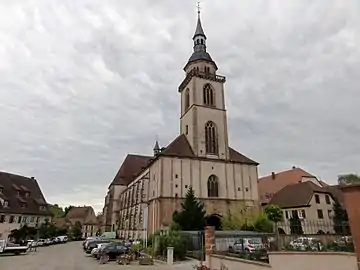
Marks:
<point>79,212</point>
<point>23,195</point>
<point>297,195</point>
<point>273,183</point>
<point>179,147</point>
<point>130,168</point>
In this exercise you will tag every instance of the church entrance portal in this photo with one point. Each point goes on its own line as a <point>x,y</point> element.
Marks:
<point>214,220</point>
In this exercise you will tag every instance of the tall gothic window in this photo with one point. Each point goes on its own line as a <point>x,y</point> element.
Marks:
<point>187,98</point>
<point>208,93</point>
<point>211,144</point>
<point>213,186</point>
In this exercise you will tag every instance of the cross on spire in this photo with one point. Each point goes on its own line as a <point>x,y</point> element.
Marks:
<point>198,7</point>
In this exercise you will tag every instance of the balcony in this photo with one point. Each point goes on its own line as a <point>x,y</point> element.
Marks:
<point>200,74</point>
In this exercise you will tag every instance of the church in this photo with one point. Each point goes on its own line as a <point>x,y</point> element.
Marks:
<point>148,189</point>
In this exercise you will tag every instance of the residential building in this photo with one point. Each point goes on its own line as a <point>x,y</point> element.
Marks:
<point>311,202</point>
<point>148,189</point>
<point>92,226</point>
<point>271,184</point>
<point>21,202</point>
<point>80,214</point>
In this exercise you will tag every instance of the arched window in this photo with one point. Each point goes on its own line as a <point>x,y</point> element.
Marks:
<point>213,186</point>
<point>208,94</point>
<point>187,99</point>
<point>211,145</point>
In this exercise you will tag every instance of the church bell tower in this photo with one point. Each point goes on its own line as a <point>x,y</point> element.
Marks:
<point>203,117</point>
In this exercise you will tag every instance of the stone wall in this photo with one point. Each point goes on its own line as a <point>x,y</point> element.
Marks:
<point>289,260</point>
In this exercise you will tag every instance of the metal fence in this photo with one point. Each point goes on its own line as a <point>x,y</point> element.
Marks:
<point>255,245</point>
<point>195,244</point>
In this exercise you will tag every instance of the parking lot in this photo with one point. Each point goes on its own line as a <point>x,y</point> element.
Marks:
<point>69,256</point>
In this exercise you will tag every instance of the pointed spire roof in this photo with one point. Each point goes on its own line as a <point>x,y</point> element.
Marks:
<point>199,31</point>
<point>156,146</point>
<point>199,39</point>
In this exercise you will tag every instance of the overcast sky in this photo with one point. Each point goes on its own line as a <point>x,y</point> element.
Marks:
<point>83,83</point>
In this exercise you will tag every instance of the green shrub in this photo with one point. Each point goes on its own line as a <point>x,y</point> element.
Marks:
<point>172,239</point>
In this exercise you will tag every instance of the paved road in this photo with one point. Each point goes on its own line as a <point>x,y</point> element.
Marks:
<point>69,257</point>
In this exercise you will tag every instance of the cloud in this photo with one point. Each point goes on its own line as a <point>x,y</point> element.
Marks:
<point>83,83</point>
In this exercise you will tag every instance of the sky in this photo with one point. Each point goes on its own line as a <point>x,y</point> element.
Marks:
<point>83,83</point>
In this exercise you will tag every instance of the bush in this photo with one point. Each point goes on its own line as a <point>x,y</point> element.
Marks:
<point>172,239</point>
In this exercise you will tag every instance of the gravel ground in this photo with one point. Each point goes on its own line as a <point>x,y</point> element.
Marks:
<point>68,256</point>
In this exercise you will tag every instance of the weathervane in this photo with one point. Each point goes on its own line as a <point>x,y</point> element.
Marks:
<point>198,7</point>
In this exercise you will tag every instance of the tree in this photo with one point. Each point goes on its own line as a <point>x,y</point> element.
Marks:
<point>348,179</point>
<point>192,214</point>
<point>274,213</point>
<point>295,225</point>
<point>67,209</point>
<point>56,210</point>
<point>240,220</point>
<point>340,219</point>
<point>76,230</point>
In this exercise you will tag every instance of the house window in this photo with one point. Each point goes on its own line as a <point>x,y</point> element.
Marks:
<point>320,214</point>
<point>327,199</point>
<point>1,190</point>
<point>176,195</point>
<point>176,186</point>
<point>302,213</point>
<point>211,138</point>
<point>187,98</point>
<point>213,186</point>
<point>19,219</point>
<point>208,95</point>
<point>25,219</point>
<point>186,186</point>
<point>239,189</point>
<point>329,213</point>
<point>32,219</point>
<point>11,220</point>
<point>6,204</point>
<point>2,218</point>
<point>286,214</point>
<point>246,189</point>
<point>186,129</point>
<point>317,198</point>
<point>294,213</point>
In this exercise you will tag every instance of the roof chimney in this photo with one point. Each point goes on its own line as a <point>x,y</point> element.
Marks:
<point>293,167</point>
<point>273,175</point>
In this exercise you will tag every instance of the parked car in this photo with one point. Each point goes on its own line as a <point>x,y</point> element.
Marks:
<point>32,243</point>
<point>96,250</point>
<point>306,243</point>
<point>111,252</point>
<point>93,244</point>
<point>40,242</point>
<point>247,245</point>
<point>9,248</point>
<point>89,239</point>
<point>61,239</point>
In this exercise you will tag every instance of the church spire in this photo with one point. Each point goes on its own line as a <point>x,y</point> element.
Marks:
<point>156,148</point>
<point>199,30</point>
<point>199,39</point>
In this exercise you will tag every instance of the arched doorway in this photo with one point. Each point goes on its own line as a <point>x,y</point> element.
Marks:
<point>213,220</point>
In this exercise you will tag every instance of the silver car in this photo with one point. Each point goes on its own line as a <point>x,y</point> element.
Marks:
<point>247,245</point>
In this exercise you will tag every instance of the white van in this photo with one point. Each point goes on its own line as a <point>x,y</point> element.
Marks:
<point>62,239</point>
